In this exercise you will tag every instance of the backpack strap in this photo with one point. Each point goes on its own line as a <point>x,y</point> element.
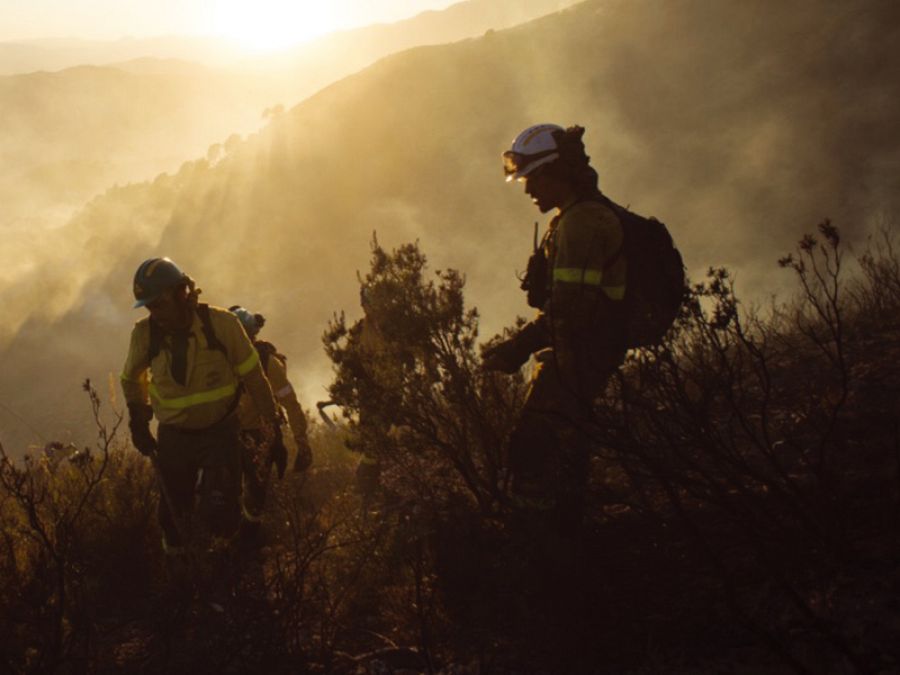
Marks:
<point>215,343</point>
<point>156,335</point>
<point>208,332</point>
<point>155,341</point>
<point>155,346</point>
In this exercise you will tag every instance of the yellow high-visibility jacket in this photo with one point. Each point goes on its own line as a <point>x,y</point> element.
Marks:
<point>212,377</point>
<point>276,372</point>
<point>586,237</point>
<point>587,269</point>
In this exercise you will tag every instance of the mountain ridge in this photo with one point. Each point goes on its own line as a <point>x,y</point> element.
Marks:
<point>409,148</point>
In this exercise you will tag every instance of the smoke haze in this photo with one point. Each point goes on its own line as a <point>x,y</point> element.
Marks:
<point>741,125</point>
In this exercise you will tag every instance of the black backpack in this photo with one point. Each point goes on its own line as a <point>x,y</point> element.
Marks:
<point>654,281</point>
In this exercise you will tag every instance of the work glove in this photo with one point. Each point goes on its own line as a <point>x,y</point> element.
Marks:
<point>278,453</point>
<point>139,416</point>
<point>303,460</point>
<point>508,356</point>
<point>505,357</point>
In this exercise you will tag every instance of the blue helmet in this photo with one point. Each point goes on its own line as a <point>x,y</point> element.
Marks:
<point>251,322</point>
<point>154,277</point>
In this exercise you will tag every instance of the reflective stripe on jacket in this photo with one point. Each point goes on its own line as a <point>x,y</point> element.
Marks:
<point>211,380</point>
<point>285,396</point>
<point>586,251</point>
<point>585,313</point>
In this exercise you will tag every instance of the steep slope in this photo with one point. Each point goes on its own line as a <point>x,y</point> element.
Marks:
<point>355,47</point>
<point>70,134</point>
<point>338,54</point>
<point>739,125</point>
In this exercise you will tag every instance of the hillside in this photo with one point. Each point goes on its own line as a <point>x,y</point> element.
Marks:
<point>71,134</point>
<point>740,513</point>
<point>333,56</point>
<point>337,54</point>
<point>27,56</point>
<point>729,122</point>
<point>128,110</point>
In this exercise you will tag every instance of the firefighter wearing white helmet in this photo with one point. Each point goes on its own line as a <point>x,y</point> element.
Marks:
<point>533,148</point>
<point>185,363</point>
<point>576,280</point>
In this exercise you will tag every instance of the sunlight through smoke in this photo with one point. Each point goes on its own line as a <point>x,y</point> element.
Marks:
<point>272,24</point>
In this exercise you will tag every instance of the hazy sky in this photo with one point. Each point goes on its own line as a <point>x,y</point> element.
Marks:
<point>255,23</point>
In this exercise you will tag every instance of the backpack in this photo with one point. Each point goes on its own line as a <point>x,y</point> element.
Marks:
<point>156,335</point>
<point>267,350</point>
<point>654,280</point>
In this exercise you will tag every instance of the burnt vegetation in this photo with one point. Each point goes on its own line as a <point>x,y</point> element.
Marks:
<point>743,507</point>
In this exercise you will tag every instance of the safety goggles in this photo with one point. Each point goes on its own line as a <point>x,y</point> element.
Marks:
<point>517,165</point>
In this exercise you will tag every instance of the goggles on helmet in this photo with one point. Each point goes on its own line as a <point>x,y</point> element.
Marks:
<point>517,165</point>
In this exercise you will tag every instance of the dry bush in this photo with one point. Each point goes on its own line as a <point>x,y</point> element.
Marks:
<point>75,525</point>
<point>417,403</point>
<point>416,400</point>
<point>876,295</point>
<point>745,489</point>
<point>750,435</point>
<point>745,473</point>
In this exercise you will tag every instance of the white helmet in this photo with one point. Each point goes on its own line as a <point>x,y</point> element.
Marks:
<point>532,148</point>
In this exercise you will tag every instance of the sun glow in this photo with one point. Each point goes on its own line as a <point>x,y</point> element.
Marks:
<point>263,25</point>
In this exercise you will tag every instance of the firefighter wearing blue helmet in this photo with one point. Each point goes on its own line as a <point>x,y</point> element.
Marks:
<point>258,457</point>
<point>185,363</point>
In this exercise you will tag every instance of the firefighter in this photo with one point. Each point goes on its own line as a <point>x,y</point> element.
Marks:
<point>257,456</point>
<point>576,280</point>
<point>185,363</point>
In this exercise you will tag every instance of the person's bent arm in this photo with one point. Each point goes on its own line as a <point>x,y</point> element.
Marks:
<point>260,391</point>
<point>136,391</point>
<point>510,355</point>
<point>245,361</point>
<point>287,398</point>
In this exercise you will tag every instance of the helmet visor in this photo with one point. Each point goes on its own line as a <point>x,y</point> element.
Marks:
<point>143,302</point>
<point>516,165</point>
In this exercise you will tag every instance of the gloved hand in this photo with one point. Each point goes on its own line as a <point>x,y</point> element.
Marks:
<point>279,456</point>
<point>271,444</point>
<point>506,357</point>
<point>509,355</point>
<point>303,460</point>
<point>139,416</point>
